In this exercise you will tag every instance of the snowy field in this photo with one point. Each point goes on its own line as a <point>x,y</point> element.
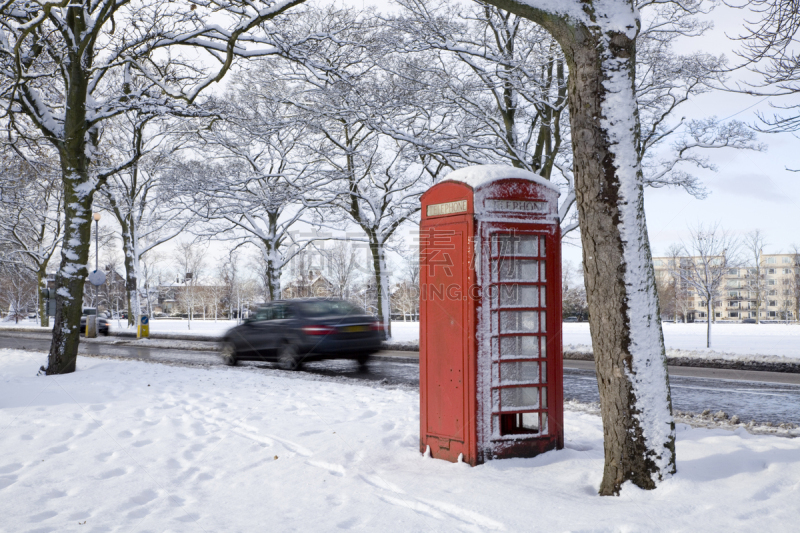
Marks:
<point>686,340</point>
<point>200,328</point>
<point>131,446</point>
<point>781,340</point>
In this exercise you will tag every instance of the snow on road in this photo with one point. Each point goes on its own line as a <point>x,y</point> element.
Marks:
<point>131,446</point>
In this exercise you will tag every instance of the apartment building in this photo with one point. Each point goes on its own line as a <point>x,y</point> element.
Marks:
<point>746,292</point>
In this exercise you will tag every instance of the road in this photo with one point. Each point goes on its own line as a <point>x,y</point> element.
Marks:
<point>760,396</point>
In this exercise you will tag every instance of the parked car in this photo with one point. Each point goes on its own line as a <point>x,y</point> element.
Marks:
<point>292,332</point>
<point>102,320</point>
<point>571,319</point>
<point>102,324</point>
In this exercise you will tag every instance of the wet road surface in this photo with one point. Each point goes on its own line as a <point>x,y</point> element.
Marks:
<point>755,398</point>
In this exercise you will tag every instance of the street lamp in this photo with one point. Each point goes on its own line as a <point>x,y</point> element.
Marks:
<point>96,218</point>
<point>97,277</point>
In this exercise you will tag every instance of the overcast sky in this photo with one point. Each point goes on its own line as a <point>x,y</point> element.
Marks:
<point>750,189</point>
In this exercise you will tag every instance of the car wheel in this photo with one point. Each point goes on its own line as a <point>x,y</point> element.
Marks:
<point>287,357</point>
<point>229,354</point>
<point>363,361</point>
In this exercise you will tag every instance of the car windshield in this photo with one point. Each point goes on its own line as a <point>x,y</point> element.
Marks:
<point>330,308</point>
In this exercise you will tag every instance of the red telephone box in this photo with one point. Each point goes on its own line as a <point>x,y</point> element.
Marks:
<point>491,373</point>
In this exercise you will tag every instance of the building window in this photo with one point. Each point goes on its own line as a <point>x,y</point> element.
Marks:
<point>773,303</point>
<point>770,271</point>
<point>771,260</point>
<point>786,260</point>
<point>771,282</point>
<point>753,314</point>
<point>772,314</point>
<point>718,315</point>
<point>733,272</point>
<point>787,270</point>
<point>733,315</point>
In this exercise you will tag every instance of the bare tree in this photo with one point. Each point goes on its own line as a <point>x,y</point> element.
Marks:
<point>189,265</point>
<point>217,291</point>
<point>69,67</point>
<point>769,48</point>
<point>31,221</point>
<point>506,80</point>
<point>341,258</point>
<point>267,177</point>
<point>376,180</point>
<point>708,257</point>
<point>407,291</point>
<point>17,290</point>
<point>756,280</point>
<point>794,284</point>
<point>145,209</point>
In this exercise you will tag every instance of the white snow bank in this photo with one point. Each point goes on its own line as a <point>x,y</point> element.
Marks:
<point>199,328</point>
<point>27,323</point>
<point>767,342</point>
<point>405,332</point>
<point>727,340</point>
<point>131,446</point>
<point>479,175</point>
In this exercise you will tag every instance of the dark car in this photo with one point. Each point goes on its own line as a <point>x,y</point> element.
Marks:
<point>102,325</point>
<point>292,332</point>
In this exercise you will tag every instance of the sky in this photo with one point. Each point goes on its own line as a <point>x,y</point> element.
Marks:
<point>750,190</point>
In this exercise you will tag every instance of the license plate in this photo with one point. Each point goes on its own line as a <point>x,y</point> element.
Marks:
<point>355,329</point>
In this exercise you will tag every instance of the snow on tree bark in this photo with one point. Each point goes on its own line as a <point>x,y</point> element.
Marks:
<point>598,40</point>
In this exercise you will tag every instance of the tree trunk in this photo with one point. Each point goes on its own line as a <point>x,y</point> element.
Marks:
<point>130,276</point>
<point>72,272</point>
<point>708,329</point>
<point>75,151</point>
<point>41,283</point>
<point>639,432</point>
<point>381,282</point>
<point>625,323</point>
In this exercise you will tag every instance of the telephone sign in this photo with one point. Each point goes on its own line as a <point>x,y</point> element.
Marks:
<point>490,314</point>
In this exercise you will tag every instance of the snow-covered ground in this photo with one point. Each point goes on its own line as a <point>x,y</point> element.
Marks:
<point>689,340</point>
<point>199,328</point>
<point>682,340</point>
<point>405,332</point>
<point>131,446</point>
<point>25,323</point>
